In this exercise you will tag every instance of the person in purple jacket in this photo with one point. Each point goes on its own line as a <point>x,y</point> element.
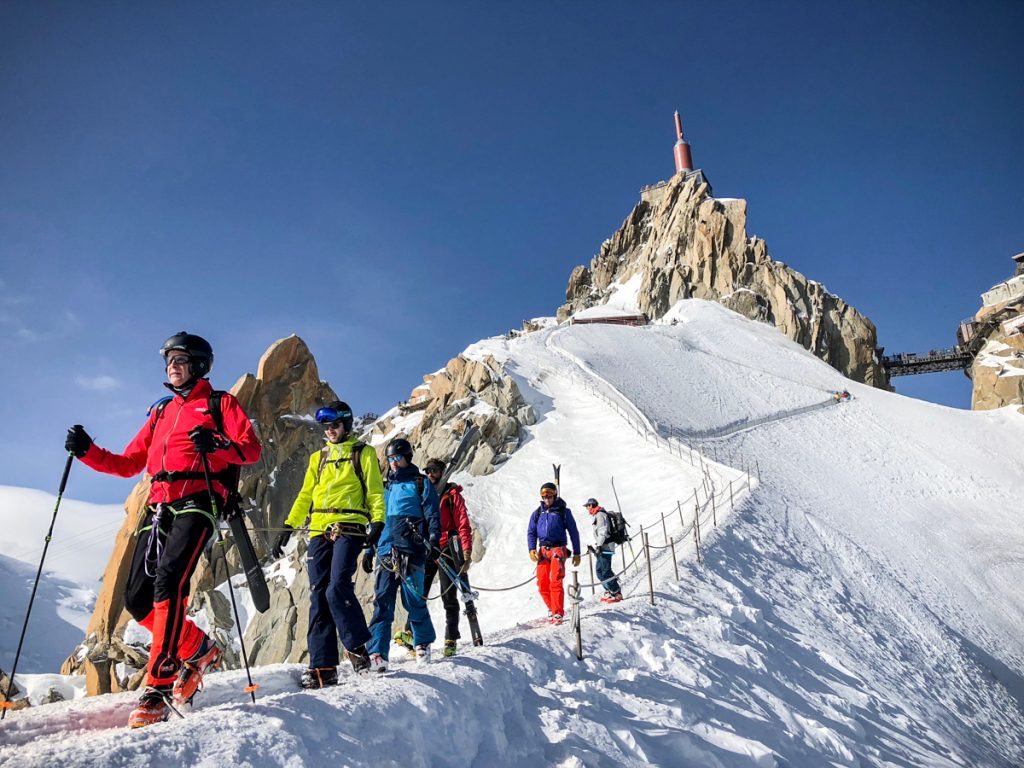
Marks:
<point>551,527</point>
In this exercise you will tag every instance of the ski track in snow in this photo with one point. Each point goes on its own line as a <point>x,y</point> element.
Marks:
<point>860,607</point>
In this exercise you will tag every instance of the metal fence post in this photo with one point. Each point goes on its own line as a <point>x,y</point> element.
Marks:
<point>590,562</point>
<point>578,612</point>
<point>650,573</point>
<point>696,528</point>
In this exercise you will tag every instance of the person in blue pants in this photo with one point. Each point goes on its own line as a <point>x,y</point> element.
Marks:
<point>412,517</point>
<point>604,550</point>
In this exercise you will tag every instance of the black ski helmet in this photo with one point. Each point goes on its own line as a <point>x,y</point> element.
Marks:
<point>196,347</point>
<point>399,447</point>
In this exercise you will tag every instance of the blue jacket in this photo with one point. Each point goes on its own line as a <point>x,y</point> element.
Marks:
<point>548,527</point>
<point>402,502</point>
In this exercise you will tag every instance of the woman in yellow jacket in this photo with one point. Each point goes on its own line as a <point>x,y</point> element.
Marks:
<point>344,494</point>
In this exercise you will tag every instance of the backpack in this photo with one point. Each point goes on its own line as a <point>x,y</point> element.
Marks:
<point>357,467</point>
<point>227,477</point>
<point>617,525</point>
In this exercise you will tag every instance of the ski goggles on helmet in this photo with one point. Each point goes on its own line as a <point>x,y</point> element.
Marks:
<point>332,415</point>
<point>178,360</point>
<point>547,494</point>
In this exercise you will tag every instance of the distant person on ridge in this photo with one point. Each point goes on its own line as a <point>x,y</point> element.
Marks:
<point>412,531</point>
<point>344,494</point>
<point>178,517</point>
<point>551,524</point>
<point>456,548</point>
<point>603,550</point>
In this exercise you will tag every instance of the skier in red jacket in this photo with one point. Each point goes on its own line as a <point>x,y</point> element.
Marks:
<point>178,518</point>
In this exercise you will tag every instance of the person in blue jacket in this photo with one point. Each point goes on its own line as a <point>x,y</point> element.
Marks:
<point>412,530</point>
<point>551,526</point>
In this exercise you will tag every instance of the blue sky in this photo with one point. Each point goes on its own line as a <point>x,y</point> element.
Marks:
<point>393,184</point>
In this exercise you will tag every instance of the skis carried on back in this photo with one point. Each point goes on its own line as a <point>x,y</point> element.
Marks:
<point>460,452</point>
<point>250,563</point>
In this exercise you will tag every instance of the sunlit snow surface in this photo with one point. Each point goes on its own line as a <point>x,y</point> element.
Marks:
<point>861,605</point>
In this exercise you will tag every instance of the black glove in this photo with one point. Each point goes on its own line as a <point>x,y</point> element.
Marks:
<point>591,550</point>
<point>282,541</point>
<point>78,441</point>
<point>376,529</point>
<point>208,440</point>
<point>368,561</point>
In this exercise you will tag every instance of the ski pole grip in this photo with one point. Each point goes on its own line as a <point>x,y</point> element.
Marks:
<point>67,471</point>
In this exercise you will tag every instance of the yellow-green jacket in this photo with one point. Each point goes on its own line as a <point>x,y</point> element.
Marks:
<point>337,489</point>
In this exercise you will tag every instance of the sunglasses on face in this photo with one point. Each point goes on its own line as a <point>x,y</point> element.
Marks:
<point>394,459</point>
<point>178,360</point>
<point>432,471</point>
<point>332,425</point>
<point>547,495</point>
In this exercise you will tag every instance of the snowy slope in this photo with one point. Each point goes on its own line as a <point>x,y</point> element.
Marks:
<point>860,606</point>
<point>75,559</point>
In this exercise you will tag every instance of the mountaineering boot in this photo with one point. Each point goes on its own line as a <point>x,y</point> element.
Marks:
<point>556,618</point>
<point>152,707</point>
<point>378,663</point>
<point>611,597</point>
<point>319,677</point>
<point>422,654</point>
<point>190,677</point>
<point>360,660</point>
<point>449,648</point>
<point>404,639</point>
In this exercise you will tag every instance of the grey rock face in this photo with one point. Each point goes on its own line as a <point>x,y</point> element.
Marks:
<point>691,245</point>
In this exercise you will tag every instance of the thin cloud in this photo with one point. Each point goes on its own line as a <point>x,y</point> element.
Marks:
<point>97,383</point>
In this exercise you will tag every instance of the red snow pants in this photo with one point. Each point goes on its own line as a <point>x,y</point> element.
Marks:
<point>550,572</point>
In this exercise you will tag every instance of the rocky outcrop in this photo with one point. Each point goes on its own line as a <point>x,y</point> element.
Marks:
<point>998,367</point>
<point>279,400</point>
<point>466,391</point>
<point>687,244</point>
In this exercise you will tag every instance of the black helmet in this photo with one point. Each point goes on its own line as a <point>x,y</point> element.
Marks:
<point>196,347</point>
<point>334,413</point>
<point>591,502</point>
<point>399,447</point>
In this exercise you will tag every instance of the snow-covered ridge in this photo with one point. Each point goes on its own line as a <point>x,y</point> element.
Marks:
<point>859,606</point>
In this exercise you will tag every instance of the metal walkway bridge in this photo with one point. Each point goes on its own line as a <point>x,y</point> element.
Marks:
<point>909,363</point>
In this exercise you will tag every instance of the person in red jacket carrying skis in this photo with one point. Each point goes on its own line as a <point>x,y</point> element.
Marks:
<point>178,518</point>
<point>456,547</point>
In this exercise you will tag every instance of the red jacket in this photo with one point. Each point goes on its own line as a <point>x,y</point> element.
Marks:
<point>455,518</point>
<point>163,445</point>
